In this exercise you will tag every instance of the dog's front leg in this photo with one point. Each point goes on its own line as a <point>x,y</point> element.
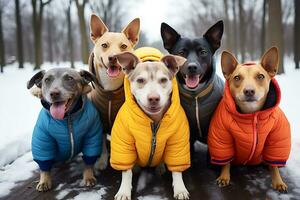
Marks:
<point>45,182</point>
<point>103,160</point>
<point>180,191</point>
<point>88,176</point>
<point>124,192</point>
<point>224,178</point>
<point>277,182</point>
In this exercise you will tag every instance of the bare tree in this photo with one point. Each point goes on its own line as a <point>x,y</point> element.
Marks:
<point>228,30</point>
<point>243,30</point>
<point>275,29</point>
<point>83,30</point>
<point>37,22</point>
<point>297,33</point>
<point>19,38</point>
<point>50,27</point>
<point>2,44</point>
<point>70,35</point>
<point>263,28</point>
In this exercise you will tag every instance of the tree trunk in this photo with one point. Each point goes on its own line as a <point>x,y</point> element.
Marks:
<point>2,45</point>
<point>275,30</point>
<point>70,35</point>
<point>235,31</point>
<point>263,28</point>
<point>50,38</point>
<point>242,30</point>
<point>228,29</point>
<point>20,55</point>
<point>83,32</point>
<point>297,33</point>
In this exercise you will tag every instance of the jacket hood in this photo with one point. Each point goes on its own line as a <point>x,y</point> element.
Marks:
<point>272,101</point>
<point>138,112</point>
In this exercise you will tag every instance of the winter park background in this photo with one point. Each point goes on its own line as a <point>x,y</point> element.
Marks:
<point>250,28</point>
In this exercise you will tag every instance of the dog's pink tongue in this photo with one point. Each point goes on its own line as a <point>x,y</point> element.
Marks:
<point>113,71</point>
<point>192,81</point>
<point>57,110</point>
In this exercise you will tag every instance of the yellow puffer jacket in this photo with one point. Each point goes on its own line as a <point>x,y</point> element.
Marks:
<point>135,140</point>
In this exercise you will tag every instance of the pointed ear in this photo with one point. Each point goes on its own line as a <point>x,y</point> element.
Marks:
<point>132,31</point>
<point>97,27</point>
<point>214,35</point>
<point>228,63</point>
<point>173,63</point>
<point>169,36</point>
<point>128,61</point>
<point>36,80</point>
<point>270,61</point>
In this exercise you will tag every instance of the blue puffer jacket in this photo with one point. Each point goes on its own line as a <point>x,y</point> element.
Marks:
<point>60,140</point>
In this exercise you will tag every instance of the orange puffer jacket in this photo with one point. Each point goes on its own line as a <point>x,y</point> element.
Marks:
<point>263,136</point>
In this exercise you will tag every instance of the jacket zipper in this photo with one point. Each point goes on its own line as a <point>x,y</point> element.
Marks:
<point>109,113</point>
<point>197,117</point>
<point>71,136</point>
<point>255,138</point>
<point>154,129</point>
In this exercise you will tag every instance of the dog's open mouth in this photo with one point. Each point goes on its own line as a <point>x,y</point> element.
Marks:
<point>113,71</point>
<point>58,109</point>
<point>193,80</point>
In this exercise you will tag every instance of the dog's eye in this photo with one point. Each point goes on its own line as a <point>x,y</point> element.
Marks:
<point>124,46</point>
<point>203,52</point>
<point>237,78</point>
<point>47,80</point>
<point>260,76</point>
<point>163,80</point>
<point>69,78</point>
<point>104,45</point>
<point>181,53</point>
<point>140,80</point>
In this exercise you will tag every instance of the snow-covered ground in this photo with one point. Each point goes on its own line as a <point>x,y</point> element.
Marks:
<point>19,110</point>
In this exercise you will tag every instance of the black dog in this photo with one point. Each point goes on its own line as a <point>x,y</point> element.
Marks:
<point>200,88</point>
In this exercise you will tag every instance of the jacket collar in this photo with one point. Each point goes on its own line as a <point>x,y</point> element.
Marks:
<point>272,101</point>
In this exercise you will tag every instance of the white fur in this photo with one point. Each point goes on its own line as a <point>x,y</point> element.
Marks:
<point>108,83</point>
<point>180,191</point>
<point>124,192</point>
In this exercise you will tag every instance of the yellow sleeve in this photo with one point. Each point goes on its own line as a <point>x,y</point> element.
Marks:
<point>177,151</point>
<point>123,153</point>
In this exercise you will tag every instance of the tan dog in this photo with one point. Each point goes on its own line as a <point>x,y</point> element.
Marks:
<point>109,96</point>
<point>248,126</point>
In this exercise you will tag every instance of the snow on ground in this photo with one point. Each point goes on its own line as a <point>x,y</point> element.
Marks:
<point>19,111</point>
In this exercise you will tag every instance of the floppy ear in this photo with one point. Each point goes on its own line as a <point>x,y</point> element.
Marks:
<point>169,36</point>
<point>214,35</point>
<point>132,31</point>
<point>97,27</point>
<point>173,63</point>
<point>228,63</point>
<point>270,61</point>
<point>36,79</point>
<point>86,78</point>
<point>128,61</point>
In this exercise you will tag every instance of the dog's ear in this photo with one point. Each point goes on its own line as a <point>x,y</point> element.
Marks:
<point>132,31</point>
<point>270,61</point>
<point>173,63</point>
<point>228,63</point>
<point>97,27</point>
<point>36,80</point>
<point>169,36</point>
<point>214,35</point>
<point>128,61</point>
<point>86,78</point>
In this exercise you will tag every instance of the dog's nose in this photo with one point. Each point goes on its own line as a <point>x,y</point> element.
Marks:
<point>192,67</point>
<point>249,92</point>
<point>54,94</point>
<point>153,98</point>
<point>112,59</point>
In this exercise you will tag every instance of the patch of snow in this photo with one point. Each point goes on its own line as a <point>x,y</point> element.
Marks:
<point>151,197</point>
<point>144,179</point>
<point>93,195</point>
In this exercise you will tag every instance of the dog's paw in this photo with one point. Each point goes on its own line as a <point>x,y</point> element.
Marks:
<point>102,162</point>
<point>123,196</point>
<point>44,186</point>
<point>280,186</point>
<point>181,194</point>
<point>89,181</point>
<point>223,180</point>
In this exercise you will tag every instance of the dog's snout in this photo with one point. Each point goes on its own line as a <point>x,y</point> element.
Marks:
<point>249,92</point>
<point>55,94</point>
<point>192,67</point>
<point>153,98</point>
<point>112,59</point>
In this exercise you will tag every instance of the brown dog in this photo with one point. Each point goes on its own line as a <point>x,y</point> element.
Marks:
<point>248,127</point>
<point>109,96</point>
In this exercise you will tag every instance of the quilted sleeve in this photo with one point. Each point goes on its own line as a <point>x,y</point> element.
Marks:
<point>278,143</point>
<point>220,141</point>
<point>123,153</point>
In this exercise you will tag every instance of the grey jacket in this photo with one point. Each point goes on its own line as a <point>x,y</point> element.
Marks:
<point>199,105</point>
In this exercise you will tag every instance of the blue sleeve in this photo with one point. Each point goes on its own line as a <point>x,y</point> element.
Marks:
<point>43,145</point>
<point>92,144</point>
